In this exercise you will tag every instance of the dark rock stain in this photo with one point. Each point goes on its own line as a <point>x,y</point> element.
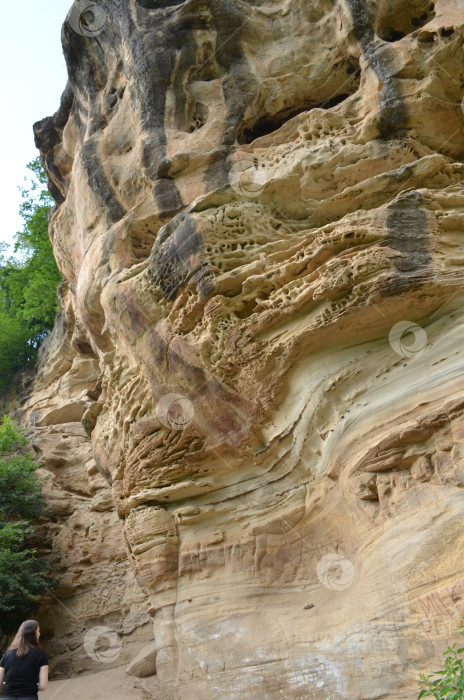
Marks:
<point>167,197</point>
<point>155,42</point>
<point>178,257</point>
<point>47,134</point>
<point>393,114</point>
<point>153,61</point>
<point>408,234</point>
<point>98,181</point>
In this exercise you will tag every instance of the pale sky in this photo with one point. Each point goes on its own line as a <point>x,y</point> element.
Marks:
<point>34,76</point>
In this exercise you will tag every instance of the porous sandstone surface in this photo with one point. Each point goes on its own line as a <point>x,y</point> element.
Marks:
<point>97,587</point>
<point>254,202</point>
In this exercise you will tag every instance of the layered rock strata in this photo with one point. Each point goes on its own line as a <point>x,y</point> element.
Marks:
<point>259,214</point>
<point>97,617</point>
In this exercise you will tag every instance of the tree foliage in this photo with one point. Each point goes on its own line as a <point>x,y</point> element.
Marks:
<point>449,684</point>
<point>24,577</point>
<point>28,282</point>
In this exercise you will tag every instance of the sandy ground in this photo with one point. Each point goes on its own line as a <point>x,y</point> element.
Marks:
<point>113,684</point>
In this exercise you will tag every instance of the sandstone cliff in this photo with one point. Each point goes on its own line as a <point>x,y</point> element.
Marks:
<point>257,380</point>
<point>97,584</point>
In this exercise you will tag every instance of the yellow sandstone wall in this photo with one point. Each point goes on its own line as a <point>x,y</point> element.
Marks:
<point>257,384</point>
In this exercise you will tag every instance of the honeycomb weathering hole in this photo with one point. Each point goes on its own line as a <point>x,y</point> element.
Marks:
<point>393,25</point>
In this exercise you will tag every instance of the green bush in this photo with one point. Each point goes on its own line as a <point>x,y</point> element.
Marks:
<point>24,577</point>
<point>11,438</point>
<point>450,681</point>
<point>28,282</point>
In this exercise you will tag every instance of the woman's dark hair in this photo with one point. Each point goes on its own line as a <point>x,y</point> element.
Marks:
<point>25,638</point>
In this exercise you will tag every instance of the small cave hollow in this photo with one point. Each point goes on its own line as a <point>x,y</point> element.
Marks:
<point>393,26</point>
<point>267,124</point>
<point>141,243</point>
<point>198,117</point>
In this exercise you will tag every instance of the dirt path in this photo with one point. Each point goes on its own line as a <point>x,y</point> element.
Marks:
<point>113,684</point>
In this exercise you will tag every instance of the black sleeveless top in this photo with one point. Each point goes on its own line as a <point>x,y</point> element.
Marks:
<point>22,674</point>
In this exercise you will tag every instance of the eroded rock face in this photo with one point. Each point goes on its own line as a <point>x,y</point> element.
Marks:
<point>255,200</point>
<point>97,587</point>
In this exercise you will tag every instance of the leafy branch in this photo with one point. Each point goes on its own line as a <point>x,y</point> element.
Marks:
<point>450,681</point>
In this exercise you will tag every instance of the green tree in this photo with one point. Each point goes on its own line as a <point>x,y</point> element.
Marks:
<point>24,577</point>
<point>450,682</point>
<point>28,282</point>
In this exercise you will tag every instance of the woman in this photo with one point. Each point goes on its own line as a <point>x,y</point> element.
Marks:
<point>24,666</point>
